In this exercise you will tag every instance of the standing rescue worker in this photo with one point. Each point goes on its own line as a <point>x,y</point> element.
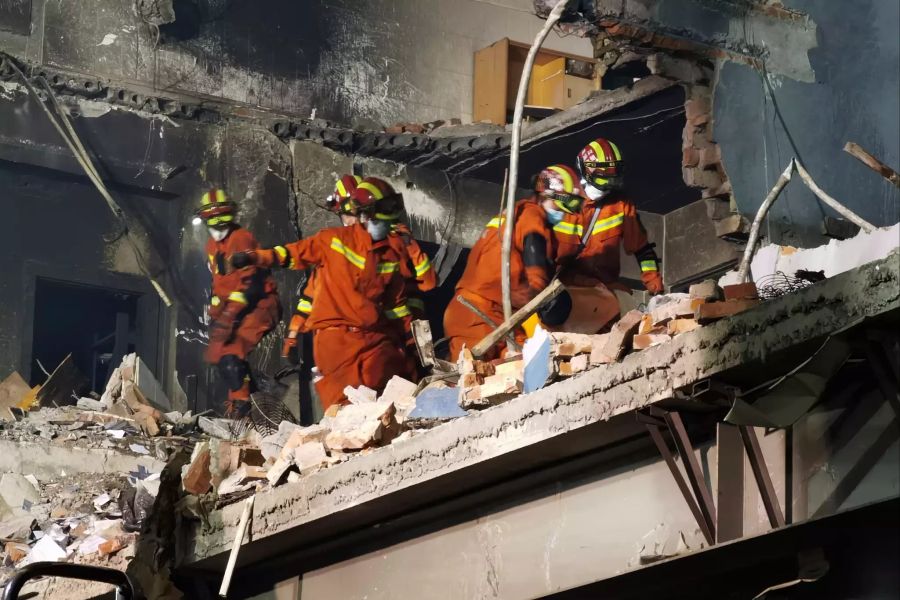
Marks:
<point>415,266</point>
<point>609,220</point>
<point>359,298</point>
<point>557,199</point>
<point>340,203</point>
<point>244,305</point>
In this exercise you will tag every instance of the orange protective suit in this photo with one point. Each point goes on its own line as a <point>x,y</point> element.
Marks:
<point>359,298</point>
<point>531,268</point>
<point>244,307</point>
<point>617,225</point>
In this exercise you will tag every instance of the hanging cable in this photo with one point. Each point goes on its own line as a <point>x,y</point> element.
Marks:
<point>63,126</point>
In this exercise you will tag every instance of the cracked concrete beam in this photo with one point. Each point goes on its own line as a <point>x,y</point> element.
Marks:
<point>331,499</point>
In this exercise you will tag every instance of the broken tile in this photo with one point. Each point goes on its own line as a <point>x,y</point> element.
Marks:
<point>435,405</point>
<point>538,364</point>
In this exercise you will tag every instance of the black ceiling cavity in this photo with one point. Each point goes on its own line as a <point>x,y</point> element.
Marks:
<point>648,132</point>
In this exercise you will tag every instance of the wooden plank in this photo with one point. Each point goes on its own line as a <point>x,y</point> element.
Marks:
<point>518,317</point>
<point>489,94</point>
<point>65,380</point>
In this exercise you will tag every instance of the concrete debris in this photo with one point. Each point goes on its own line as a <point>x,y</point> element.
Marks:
<point>309,457</point>
<point>360,395</point>
<point>359,426</point>
<point>242,480</point>
<point>402,393</point>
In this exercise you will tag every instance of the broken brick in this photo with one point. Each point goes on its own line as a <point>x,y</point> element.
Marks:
<point>690,157</point>
<point>741,291</point>
<point>198,478</point>
<point>621,334</point>
<point>717,310</point>
<point>494,390</point>
<point>672,310</point>
<point>647,340</point>
<point>678,326</point>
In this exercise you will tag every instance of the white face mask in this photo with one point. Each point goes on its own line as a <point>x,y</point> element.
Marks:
<point>592,192</point>
<point>218,234</point>
<point>378,229</point>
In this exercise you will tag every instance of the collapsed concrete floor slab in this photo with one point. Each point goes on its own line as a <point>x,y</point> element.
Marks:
<point>304,525</point>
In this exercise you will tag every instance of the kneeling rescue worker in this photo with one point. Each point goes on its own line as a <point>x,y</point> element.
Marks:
<point>359,297</point>
<point>244,305</point>
<point>557,199</point>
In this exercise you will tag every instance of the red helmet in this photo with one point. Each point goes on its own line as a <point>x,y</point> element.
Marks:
<point>216,209</point>
<point>600,164</point>
<point>377,199</point>
<point>561,184</point>
<point>340,199</point>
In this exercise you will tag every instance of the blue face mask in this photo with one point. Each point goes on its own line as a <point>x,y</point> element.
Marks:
<point>378,229</point>
<point>554,216</point>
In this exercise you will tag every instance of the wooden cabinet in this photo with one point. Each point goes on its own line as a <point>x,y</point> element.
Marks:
<point>558,80</point>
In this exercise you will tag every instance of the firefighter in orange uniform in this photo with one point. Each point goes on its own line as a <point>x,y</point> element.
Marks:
<point>557,199</point>
<point>359,298</point>
<point>612,221</point>
<point>244,304</point>
<point>340,203</point>
<point>415,266</point>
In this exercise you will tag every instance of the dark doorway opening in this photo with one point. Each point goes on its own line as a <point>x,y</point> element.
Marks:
<point>97,325</point>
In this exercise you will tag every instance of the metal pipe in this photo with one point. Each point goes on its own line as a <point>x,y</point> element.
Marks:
<point>837,206</point>
<point>505,277</point>
<point>236,545</point>
<point>783,180</point>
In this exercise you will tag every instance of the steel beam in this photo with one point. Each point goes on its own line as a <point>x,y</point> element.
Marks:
<point>761,474</point>
<point>692,467</point>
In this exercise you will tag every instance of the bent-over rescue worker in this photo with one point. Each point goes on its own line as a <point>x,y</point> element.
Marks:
<point>244,305</point>
<point>360,294</point>
<point>608,221</point>
<point>340,203</point>
<point>557,199</point>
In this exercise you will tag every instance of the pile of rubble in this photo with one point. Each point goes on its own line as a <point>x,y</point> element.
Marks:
<point>88,518</point>
<point>229,467</point>
<point>550,356</point>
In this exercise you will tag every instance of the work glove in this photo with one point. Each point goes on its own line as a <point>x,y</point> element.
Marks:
<point>555,312</point>
<point>239,260</point>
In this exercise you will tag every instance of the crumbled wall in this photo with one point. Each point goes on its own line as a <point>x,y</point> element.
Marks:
<point>798,80</point>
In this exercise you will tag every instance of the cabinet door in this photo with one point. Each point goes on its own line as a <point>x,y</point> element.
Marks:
<point>489,93</point>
